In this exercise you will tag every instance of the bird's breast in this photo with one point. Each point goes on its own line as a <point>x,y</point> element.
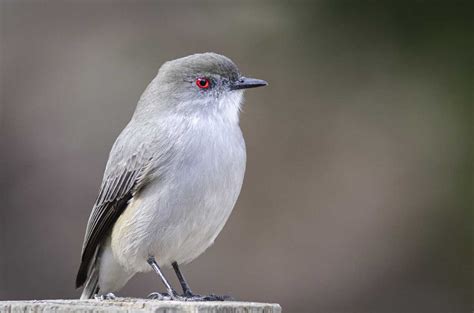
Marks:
<point>211,169</point>
<point>206,184</point>
<point>180,214</point>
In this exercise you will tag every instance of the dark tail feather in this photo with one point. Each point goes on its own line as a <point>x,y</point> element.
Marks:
<point>92,284</point>
<point>82,274</point>
<point>88,274</point>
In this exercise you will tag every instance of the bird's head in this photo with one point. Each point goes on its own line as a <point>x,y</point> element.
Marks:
<point>206,83</point>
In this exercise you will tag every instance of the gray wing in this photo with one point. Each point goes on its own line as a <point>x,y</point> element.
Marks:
<point>122,180</point>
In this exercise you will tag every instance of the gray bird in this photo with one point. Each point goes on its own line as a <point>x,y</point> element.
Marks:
<point>172,177</point>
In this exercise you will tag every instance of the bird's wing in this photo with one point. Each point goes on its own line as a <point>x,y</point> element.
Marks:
<point>122,180</point>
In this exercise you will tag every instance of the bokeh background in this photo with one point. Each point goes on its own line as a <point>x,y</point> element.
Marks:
<point>358,190</point>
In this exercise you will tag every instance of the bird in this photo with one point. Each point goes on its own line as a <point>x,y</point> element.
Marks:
<point>171,180</point>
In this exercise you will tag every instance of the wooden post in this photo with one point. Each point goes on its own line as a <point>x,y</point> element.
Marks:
<point>129,305</point>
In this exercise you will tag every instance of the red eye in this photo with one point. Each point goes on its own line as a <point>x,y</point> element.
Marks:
<point>203,83</point>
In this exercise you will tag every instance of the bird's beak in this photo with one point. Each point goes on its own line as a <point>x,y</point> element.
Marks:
<point>244,83</point>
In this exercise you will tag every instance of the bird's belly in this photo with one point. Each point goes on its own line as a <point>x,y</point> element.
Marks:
<point>178,217</point>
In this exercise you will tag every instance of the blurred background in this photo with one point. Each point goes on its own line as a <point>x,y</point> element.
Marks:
<point>358,190</point>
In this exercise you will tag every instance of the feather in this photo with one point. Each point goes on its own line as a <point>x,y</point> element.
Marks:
<point>121,182</point>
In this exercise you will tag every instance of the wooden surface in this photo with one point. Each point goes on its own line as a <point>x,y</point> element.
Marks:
<point>136,305</point>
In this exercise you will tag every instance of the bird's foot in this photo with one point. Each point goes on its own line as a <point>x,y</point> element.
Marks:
<point>159,296</point>
<point>188,296</point>
<point>109,296</point>
<point>164,297</point>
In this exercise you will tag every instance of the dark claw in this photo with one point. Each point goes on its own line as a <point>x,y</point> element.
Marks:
<point>189,296</point>
<point>211,297</point>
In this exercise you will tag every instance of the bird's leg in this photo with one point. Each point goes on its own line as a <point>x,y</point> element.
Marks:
<point>189,295</point>
<point>187,292</point>
<point>172,295</point>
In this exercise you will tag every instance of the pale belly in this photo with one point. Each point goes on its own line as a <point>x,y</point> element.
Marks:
<point>177,218</point>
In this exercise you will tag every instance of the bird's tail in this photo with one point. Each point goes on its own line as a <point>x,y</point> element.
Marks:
<point>91,286</point>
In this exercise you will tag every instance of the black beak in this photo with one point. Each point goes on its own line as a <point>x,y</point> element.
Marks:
<point>244,83</point>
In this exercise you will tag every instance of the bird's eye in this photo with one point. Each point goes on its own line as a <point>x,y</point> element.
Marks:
<point>203,83</point>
